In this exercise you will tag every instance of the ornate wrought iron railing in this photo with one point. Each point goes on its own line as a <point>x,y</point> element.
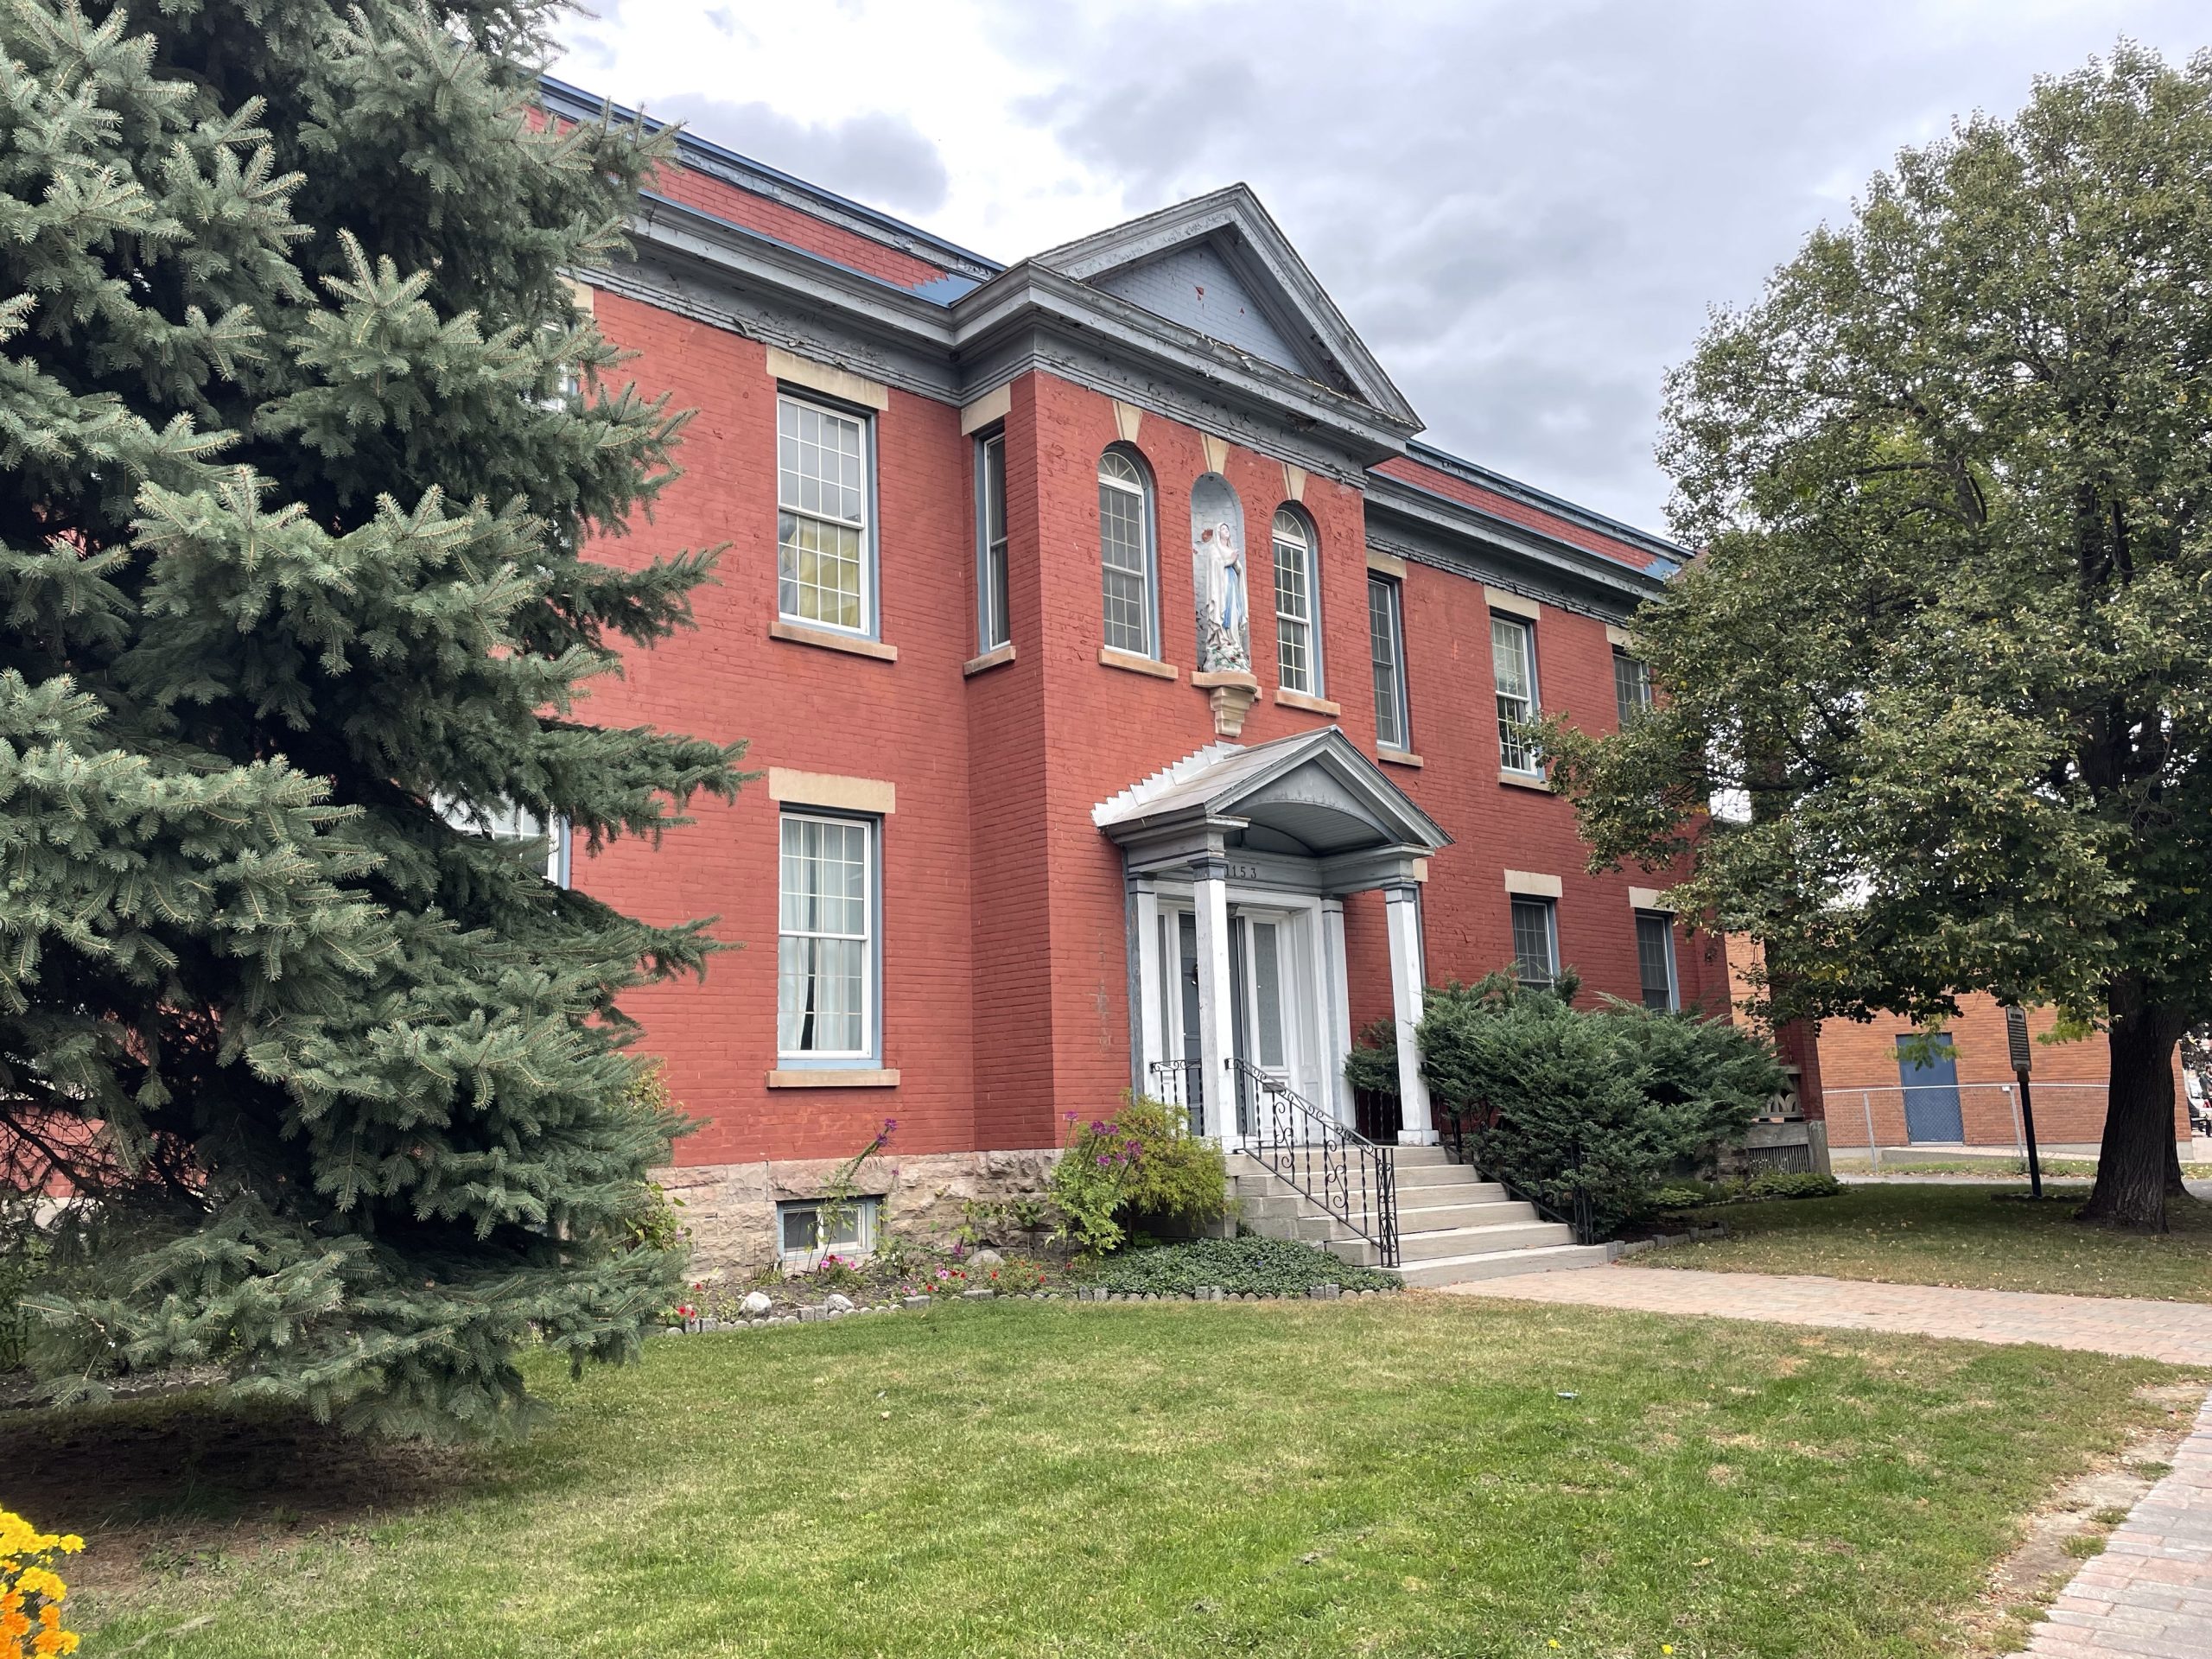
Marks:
<point>1351,1177</point>
<point>1178,1083</point>
<point>1579,1215</point>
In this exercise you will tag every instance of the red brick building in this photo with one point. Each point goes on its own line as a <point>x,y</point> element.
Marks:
<point>1135,699</point>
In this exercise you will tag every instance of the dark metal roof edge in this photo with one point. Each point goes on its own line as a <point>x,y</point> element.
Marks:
<point>580,104</point>
<point>1545,501</point>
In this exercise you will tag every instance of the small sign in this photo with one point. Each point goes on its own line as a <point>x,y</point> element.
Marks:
<point>2016,1038</point>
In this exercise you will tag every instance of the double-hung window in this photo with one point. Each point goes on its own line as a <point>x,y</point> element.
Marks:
<point>1387,649</point>
<point>1632,686</point>
<point>825,945</point>
<point>1655,960</point>
<point>1298,651</point>
<point>1535,942</point>
<point>822,522</point>
<point>1513,665</point>
<point>516,827</point>
<point>992,628</point>
<point>1125,553</point>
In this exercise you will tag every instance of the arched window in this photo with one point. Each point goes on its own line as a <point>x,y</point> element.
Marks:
<point>1297,603</point>
<point>1125,553</point>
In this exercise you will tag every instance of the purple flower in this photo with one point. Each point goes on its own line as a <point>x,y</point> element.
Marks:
<point>1105,1159</point>
<point>1098,1126</point>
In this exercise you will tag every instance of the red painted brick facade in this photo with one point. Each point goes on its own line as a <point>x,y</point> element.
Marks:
<point>1004,979</point>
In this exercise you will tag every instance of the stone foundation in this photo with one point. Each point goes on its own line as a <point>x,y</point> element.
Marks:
<point>730,1209</point>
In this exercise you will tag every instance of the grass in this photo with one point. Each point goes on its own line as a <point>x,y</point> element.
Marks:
<point>1412,1476</point>
<point>1973,1235</point>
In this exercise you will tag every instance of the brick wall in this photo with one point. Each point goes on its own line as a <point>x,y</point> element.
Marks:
<point>2068,1080</point>
<point>1005,978</point>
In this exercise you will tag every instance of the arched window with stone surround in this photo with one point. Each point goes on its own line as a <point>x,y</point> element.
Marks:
<point>1298,602</point>
<point>1125,553</point>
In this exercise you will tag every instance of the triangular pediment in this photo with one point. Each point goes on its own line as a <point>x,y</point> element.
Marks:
<point>1219,265</point>
<point>1314,794</point>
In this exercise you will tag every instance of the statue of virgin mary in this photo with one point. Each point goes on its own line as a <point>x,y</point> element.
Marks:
<point>1217,558</point>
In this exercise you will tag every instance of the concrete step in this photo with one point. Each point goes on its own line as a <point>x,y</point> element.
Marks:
<point>1320,1228</point>
<point>1453,1176</point>
<point>1435,1214</point>
<point>1501,1264</point>
<point>1480,1241</point>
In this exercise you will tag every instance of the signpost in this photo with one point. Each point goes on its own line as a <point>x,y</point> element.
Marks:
<point>2016,1039</point>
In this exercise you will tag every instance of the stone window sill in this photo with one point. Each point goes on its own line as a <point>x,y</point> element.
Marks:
<point>1286,699</point>
<point>1399,758</point>
<point>825,1077</point>
<point>798,633</point>
<point>996,657</point>
<point>1535,780</point>
<point>1130,662</point>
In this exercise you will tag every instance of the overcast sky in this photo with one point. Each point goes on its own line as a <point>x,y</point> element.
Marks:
<point>1524,207</point>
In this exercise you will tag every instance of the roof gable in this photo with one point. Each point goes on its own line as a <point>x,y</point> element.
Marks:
<point>1218,263</point>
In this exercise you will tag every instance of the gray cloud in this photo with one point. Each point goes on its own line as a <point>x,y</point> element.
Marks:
<point>1527,210</point>
<point>883,159</point>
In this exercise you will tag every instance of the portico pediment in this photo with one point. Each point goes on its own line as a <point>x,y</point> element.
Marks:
<point>1313,796</point>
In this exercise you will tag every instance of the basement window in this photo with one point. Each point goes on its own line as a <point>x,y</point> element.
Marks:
<point>808,1229</point>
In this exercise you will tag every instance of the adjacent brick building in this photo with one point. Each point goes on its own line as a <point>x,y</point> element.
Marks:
<point>1136,699</point>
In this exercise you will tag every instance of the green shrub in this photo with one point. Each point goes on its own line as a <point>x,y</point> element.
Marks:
<point>1774,1184</point>
<point>1143,1165</point>
<point>1373,1062</point>
<point>1609,1103</point>
<point>1266,1267</point>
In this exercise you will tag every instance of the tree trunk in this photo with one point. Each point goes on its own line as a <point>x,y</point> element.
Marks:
<point>2137,1165</point>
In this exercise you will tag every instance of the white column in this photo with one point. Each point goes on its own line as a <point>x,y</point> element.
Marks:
<point>1335,1010</point>
<point>1406,1004</point>
<point>1217,1010</point>
<point>1153,1049</point>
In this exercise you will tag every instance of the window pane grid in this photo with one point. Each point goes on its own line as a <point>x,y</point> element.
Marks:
<point>1384,651</point>
<point>1294,605</point>
<point>1535,956</point>
<point>823,957</point>
<point>992,628</point>
<point>822,522</point>
<point>1632,686</point>
<point>1655,960</point>
<point>1513,667</point>
<point>1123,556</point>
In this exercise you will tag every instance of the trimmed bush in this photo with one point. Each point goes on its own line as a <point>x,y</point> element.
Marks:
<point>1607,1104</point>
<point>1142,1165</point>
<point>1266,1266</point>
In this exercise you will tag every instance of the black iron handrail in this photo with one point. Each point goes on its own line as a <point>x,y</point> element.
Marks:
<point>1351,1177</point>
<point>1177,1083</point>
<point>1581,1218</point>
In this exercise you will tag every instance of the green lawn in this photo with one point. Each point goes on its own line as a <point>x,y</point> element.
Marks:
<point>1411,1476</point>
<point>1967,1235</point>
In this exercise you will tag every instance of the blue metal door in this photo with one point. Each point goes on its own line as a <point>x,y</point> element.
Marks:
<point>1930,1077</point>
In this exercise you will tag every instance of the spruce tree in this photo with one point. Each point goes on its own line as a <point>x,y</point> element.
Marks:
<point>303,431</point>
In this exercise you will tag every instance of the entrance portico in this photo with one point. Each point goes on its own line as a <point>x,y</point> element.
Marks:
<point>1239,861</point>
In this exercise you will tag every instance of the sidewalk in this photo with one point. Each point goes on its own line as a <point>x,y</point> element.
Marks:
<point>2178,1332</point>
<point>2149,1595</point>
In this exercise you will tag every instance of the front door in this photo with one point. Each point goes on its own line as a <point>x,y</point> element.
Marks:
<point>1274,999</point>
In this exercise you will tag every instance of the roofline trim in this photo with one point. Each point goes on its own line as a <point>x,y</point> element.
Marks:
<point>579,104</point>
<point>1475,473</point>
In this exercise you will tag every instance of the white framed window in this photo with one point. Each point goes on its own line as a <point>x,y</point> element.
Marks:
<point>1298,604</point>
<point>822,522</point>
<point>1125,553</point>
<point>1513,665</point>
<point>1535,942</point>
<point>992,627</point>
<point>1387,649</point>
<point>516,826</point>
<point>1655,960</point>
<point>825,944</point>
<point>810,1229</point>
<point>1632,686</point>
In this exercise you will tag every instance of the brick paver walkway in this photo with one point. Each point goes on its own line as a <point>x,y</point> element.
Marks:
<point>2178,1332</point>
<point>2149,1595</point>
